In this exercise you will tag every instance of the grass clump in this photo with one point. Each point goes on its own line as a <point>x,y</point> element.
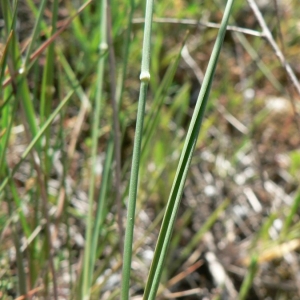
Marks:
<point>110,190</point>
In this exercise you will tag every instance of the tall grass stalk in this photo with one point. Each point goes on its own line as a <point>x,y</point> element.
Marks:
<point>87,266</point>
<point>183,167</point>
<point>152,119</point>
<point>101,203</point>
<point>145,78</point>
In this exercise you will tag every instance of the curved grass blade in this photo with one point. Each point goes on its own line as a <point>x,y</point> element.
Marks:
<point>183,167</point>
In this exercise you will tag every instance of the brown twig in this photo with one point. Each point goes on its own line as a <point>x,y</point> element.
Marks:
<point>267,34</point>
<point>278,24</point>
<point>201,23</point>
<point>192,64</point>
<point>30,293</point>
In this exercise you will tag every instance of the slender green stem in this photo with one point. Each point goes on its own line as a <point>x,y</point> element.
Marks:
<point>133,193</point>
<point>87,267</point>
<point>145,78</point>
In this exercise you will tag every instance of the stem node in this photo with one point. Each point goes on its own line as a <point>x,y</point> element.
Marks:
<point>145,76</point>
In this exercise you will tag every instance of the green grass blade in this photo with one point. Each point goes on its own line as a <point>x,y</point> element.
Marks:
<point>36,139</point>
<point>184,163</point>
<point>6,124</point>
<point>248,280</point>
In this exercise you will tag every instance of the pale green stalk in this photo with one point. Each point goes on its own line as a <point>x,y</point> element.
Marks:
<point>145,78</point>
<point>183,167</point>
<point>87,268</point>
<point>100,215</point>
<point>152,119</point>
